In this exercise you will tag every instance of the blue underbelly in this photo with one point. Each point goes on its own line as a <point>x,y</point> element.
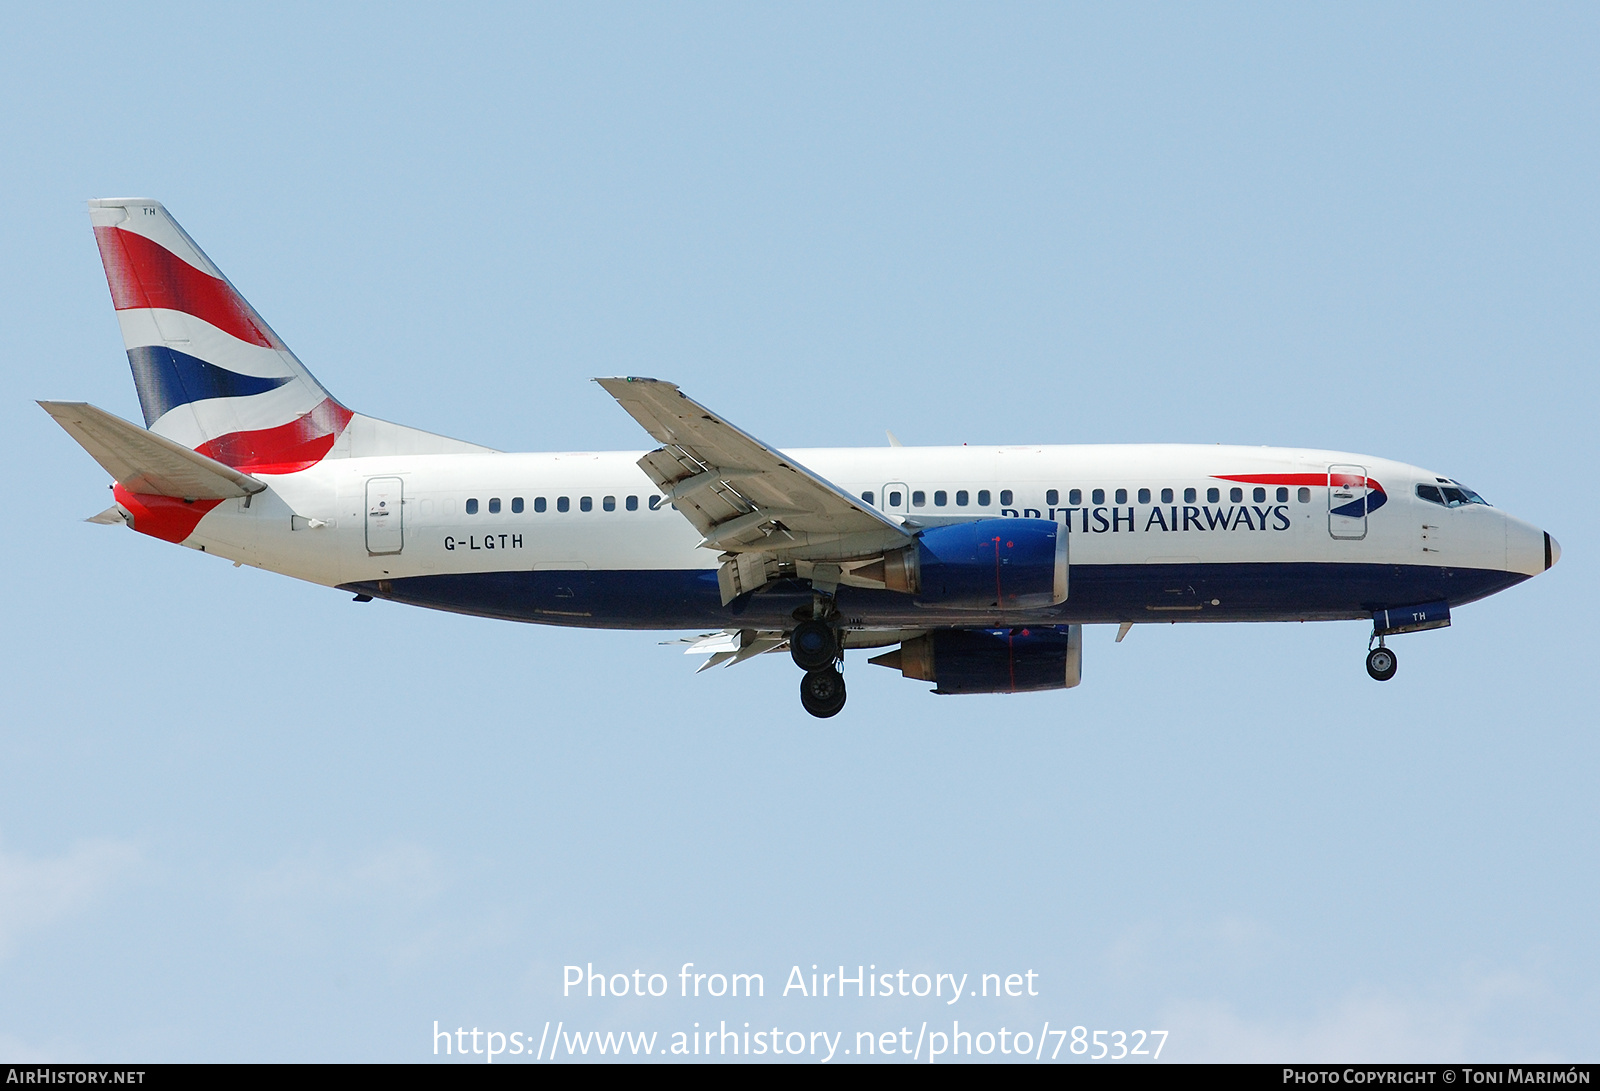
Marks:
<point>676,599</point>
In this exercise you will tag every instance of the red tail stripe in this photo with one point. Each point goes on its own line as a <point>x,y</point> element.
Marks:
<point>286,449</point>
<point>142,273</point>
<point>164,517</point>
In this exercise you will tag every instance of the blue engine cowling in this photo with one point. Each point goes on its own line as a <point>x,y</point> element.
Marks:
<point>1006,564</point>
<point>993,660</point>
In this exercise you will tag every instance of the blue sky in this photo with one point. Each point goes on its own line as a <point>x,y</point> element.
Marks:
<point>247,819</point>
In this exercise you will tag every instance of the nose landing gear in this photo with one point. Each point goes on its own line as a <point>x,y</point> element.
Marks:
<point>1381,662</point>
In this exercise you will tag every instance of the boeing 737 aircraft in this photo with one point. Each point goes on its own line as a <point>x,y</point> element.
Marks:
<point>977,566</point>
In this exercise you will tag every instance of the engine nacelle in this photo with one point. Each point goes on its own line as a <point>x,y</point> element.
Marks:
<point>992,660</point>
<point>990,564</point>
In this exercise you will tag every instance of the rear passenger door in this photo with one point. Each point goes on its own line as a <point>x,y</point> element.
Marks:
<point>385,515</point>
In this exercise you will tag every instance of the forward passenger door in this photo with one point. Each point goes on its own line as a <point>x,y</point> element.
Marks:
<point>1347,502</point>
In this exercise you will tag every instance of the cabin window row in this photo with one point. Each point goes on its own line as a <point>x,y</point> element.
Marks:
<point>563,503</point>
<point>894,498</point>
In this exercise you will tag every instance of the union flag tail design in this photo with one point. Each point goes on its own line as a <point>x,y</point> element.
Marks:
<point>210,372</point>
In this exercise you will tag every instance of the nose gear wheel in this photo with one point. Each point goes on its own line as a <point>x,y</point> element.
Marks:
<point>1381,663</point>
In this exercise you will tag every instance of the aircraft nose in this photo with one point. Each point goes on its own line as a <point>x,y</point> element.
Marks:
<point>1552,551</point>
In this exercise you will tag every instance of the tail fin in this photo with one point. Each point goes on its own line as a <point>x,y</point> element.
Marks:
<point>210,372</point>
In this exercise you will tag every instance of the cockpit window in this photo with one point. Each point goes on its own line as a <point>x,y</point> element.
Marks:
<point>1451,494</point>
<point>1456,494</point>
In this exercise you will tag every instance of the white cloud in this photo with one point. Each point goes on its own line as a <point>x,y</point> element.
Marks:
<point>37,892</point>
<point>385,900</point>
<point>1365,1026</point>
<point>397,873</point>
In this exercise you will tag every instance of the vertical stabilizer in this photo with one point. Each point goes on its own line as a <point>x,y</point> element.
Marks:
<point>210,372</point>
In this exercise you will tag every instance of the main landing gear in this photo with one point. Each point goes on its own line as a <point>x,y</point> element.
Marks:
<point>1381,663</point>
<point>816,649</point>
<point>822,692</point>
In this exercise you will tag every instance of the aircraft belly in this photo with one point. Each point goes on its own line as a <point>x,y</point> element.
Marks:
<point>683,599</point>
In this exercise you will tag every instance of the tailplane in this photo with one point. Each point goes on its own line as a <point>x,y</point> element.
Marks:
<point>211,374</point>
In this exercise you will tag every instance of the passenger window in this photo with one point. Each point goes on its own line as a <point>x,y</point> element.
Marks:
<point>867,496</point>
<point>1259,496</point>
<point>1188,496</point>
<point>585,503</point>
<point>1235,494</point>
<point>1305,495</point>
<point>632,503</point>
<point>609,503</point>
<point>563,504</point>
<point>1098,496</point>
<point>1430,493</point>
<point>1075,497</point>
<point>940,498</point>
<point>1005,498</point>
<point>538,503</point>
<point>655,502</point>
<point>961,498</point>
<point>983,498</point>
<point>1166,496</point>
<point>1144,496</point>
<point>919,499</point>
<point>894,498</point>
<point>1122,496</point>
<point>472,505</point>
<point>1052,497</point>
<point>494,505</point>
<point>1283,495</point>
<point>1213,496</point>
<point>516,505</point>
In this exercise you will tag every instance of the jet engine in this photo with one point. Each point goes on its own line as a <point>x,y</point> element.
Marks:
<point>992,660</point>
<point>1005,564</point>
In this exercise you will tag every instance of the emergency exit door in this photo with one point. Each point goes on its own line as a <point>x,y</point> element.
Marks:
<point>385,515</point>
<point>895,499</point>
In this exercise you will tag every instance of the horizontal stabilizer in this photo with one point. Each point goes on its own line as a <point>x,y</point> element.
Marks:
<point>143,462</point>
<point>111,517</point>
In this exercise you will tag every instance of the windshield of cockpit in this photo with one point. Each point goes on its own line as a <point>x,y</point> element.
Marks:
<point>1449,494</point>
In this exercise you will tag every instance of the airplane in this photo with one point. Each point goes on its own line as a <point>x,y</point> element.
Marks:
<point>977,567</point>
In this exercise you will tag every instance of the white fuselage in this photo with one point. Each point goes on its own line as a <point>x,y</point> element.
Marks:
<point>589,515</point>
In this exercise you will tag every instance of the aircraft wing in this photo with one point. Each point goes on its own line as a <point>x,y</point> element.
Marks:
<point>143,462</point>
<point>747,499</point>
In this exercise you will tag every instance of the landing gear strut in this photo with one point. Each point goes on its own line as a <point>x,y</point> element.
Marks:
<point>1381,663</point>
<point>822,692</point>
